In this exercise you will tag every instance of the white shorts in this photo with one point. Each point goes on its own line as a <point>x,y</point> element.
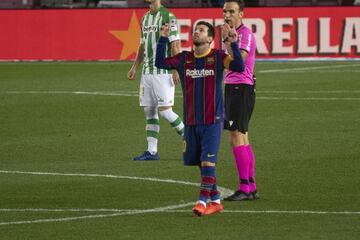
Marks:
<point>156,90</point>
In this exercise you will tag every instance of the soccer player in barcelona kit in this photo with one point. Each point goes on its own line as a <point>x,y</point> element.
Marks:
<point>240,101</point>
<point>157,88</point>
<point>201,74</point>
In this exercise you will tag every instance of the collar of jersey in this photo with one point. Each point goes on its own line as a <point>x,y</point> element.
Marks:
<point>203,55</point>
<point>241,25</point>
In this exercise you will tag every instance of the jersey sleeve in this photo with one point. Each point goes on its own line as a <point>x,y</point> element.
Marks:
<point>142,41</point>
<point>226,59</point>
<point>246,41</point>
<point>173,62</point>
<point>161,61</point>
<point>173,27</point>
<point>235,63</point>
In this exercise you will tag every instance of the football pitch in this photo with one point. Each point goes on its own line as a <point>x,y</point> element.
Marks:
<point>69,131</point>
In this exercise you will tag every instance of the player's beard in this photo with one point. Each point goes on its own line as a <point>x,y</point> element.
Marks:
<point>198,43</point>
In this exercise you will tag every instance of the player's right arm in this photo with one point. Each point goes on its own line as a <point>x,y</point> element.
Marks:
<point>227,32</point>
<point>234,61</point>
<point>160,60</point>
<point>139,59</point>
<point>174,39</point>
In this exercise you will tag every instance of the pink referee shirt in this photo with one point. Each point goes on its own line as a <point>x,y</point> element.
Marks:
<point>246,41</point>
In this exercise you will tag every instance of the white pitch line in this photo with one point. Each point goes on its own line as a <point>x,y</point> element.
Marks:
<point>121,212</point>
<point>99,93</point>
<point>310,91</point>
<point>129,212</point>
<point>302,212</point>
<point>131,94</point>
<point>224,191</point>
<point>309,98</point>
<point>63,210</point>
<point>173,210</point>
<point>308,68</point>
<point>135,93</point>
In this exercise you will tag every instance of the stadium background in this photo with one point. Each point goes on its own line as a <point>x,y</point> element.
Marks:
<point>110,34</point>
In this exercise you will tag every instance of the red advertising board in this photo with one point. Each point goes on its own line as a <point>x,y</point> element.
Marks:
<point>113,34</point>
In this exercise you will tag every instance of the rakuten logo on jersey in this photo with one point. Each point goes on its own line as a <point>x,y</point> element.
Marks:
<point>199,73</point>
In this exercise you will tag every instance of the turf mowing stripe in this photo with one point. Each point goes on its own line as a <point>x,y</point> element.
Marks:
<point>308,68</point>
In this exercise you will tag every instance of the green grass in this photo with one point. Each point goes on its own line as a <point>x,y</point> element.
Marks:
<point>305,133</point>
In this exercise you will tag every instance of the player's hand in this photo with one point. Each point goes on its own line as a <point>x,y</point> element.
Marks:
<point>175,77</point>
<point>225,28</point>
<point>164,30</point>
<point>228,34</point>
<point>232,35</point>
<point>131,74</point>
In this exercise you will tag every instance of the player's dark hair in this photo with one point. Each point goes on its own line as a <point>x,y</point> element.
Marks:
<point>211,29</point>
<point>241,3</point>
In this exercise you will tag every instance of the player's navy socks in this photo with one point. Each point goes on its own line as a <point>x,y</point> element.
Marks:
<point>252,183</point>
<point>207,182</point>
<point>242,163</point>
<point>215,194</point>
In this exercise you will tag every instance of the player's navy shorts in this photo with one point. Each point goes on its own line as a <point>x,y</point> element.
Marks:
<point>201,143</point>
<point>239,106</point>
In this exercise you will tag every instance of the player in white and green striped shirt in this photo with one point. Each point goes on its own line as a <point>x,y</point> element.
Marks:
<point>157,87</point>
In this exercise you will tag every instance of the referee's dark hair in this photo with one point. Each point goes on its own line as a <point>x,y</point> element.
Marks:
<point>241,3</point>
<point>211,30</point>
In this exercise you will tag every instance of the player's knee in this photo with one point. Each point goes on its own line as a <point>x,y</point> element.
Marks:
<point>237,139</point>
<point>168,114</point>
<point>164,108</point>
<point>151,112</point>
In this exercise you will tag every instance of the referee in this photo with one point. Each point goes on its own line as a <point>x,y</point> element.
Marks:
<point>240,101</point>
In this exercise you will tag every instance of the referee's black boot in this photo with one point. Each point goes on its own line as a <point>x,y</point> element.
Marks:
<point>255,195</point>
<point>239,196</point>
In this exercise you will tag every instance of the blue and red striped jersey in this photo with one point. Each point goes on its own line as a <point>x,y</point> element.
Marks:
<point>201,80</point>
